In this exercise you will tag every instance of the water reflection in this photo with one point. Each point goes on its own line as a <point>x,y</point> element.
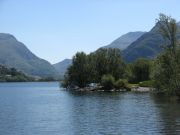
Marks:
<point>91,112</point>
<point>118,113</point>
<point>169,114</point>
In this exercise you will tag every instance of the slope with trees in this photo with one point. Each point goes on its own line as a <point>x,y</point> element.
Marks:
<point>12,75</point>
<point>15,54</point>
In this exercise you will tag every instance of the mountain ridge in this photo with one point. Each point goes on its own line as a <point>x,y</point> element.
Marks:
<point>149,45</point>
<point>15,54</point>
<point>125,40</point>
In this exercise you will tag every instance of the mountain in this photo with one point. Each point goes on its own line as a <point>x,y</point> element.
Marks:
<point>149,45</point>
<point>62,66</point>
<point>15,54</point>
<point>125,40</point>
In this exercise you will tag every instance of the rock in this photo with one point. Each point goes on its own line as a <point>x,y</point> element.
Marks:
<point>141,89</point>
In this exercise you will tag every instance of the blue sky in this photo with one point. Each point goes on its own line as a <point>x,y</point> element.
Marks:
<point>57,29</point>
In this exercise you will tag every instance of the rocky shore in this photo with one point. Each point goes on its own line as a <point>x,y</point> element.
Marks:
<point>100,88</point>
<point>142,89</point>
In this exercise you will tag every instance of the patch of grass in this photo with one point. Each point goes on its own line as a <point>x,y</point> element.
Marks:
<point>149,83</point>
<point>130,85</point>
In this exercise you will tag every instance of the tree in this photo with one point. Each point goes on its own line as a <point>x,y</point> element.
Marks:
<point>13,71</point>
<point>108,82</point>
<point>79,72</point>
<point>140,70</point>
<point>90,68</point>
<point>167,70</point>
<point>108,61</point>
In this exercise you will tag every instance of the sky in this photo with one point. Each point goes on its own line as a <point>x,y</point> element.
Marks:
<point>57,29</point>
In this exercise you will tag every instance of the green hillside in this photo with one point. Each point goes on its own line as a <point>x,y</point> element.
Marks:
<point>12,75</point>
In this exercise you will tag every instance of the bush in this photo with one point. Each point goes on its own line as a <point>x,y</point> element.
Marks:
<point>107,82</point>
<point>64,84</point>
<point>121,84</point>
<point>149,83</point>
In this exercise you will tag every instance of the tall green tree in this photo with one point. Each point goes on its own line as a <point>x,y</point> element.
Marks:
<point>79,73</point>
<point>90,68</point>
<point>108,61</point>
<point>167,71</point>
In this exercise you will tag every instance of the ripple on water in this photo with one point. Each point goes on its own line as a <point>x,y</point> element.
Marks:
<point>43,109</point>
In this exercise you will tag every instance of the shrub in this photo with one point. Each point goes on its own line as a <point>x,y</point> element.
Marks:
<point>107,82</point>
<point>121,84</point>
<point>64,84</point>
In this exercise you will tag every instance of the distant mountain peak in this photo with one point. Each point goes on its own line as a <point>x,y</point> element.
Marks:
<point>125,40</point>
<point>66,59</point>
<point>6,36</point>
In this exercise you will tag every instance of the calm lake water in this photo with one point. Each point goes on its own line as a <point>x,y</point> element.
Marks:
<point>45,109</point>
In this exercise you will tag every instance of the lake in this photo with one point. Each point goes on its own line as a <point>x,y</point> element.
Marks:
<point>45,109</point>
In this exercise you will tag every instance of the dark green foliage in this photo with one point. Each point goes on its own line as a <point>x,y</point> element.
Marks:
<point>90,68</point>
<point>79,74</point>
<point>121,84</point>
<point>108,61</point>
<point>15,54</point>
<point>140,70</point>
<point>107,82</point>
<point>65,83</point>
<point>167,74</point>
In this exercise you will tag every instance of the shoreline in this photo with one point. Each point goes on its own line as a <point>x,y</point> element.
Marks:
<point>100,89</point>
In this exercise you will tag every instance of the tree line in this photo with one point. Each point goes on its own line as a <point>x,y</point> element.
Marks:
<point>12,75</point>
<point>107,68</point>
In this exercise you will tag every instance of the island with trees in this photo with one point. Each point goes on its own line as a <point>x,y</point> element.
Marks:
<point>106,70</point>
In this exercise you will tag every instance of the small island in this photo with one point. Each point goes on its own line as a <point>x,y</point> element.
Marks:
<point>105,70</point>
